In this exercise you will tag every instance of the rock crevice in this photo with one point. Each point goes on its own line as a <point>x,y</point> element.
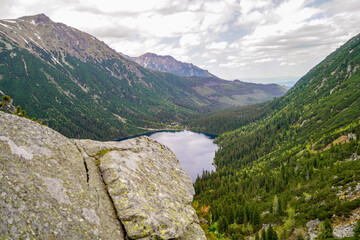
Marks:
<point>85,164</point>
<point>95,172</point>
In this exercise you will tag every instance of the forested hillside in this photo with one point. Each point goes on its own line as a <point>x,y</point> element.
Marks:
<point>228,119</point>
<point>298,162</point>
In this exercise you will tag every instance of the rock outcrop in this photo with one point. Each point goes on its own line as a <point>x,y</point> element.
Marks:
<point>313,228</point>
<point>346,230</point>
<point>53,187</point>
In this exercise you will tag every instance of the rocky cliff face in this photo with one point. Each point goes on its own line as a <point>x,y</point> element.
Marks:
<point>39,34</point>
<point>57,188</point>
<point>171,65</point>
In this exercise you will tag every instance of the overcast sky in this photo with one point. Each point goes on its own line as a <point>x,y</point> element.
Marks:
<point>233,39</point>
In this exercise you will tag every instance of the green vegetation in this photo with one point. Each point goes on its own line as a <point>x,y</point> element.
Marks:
<point>357,229</point>
<point>235,93</point>
<point>20,112</point>
<point>228,119</point>
<point>5,100</point>
<point>5,105</point>
<point>297,162</point>
<point>326,231</point>
<point>57,95</point>
<point>102,152</point>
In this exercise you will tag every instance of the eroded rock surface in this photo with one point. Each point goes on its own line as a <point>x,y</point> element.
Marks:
<point>152,194</point>
<point>56,188</point>
<point>346,230</point>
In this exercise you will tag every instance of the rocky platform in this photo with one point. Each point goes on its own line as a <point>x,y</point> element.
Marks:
<point>53,187</point>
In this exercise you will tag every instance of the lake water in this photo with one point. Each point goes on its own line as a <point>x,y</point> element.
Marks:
<point>195,151</point>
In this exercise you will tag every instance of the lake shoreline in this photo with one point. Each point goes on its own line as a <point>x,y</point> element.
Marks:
<point>195,150</point>
<point>212,136</point>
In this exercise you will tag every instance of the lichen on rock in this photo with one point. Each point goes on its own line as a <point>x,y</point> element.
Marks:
<point>152,194</point>
<point>44,188</point>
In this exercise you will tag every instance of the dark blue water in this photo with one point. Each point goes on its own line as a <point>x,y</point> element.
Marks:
<point>195,151</point>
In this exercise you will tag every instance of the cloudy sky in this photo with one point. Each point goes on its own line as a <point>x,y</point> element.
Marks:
<point>234,39</point>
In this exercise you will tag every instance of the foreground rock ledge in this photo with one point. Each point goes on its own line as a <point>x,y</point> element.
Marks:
<point>56,188</point>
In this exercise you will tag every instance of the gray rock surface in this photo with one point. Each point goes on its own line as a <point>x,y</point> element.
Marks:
<point>313,228</point>
<point>56,188</point>
<point>152,194</point>
<point>346,230</point>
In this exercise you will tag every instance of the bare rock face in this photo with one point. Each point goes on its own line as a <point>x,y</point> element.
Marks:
<point>346,230</point>
<point>56,188</point>
<point>152,194</point>
<point>171,65</point>
<point>313,228</point>
<point>44,188</point>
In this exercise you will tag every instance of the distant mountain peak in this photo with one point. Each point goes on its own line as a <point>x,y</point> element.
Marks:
<point>169,64</point>
<point>39,34</point>
<point>38,17</point>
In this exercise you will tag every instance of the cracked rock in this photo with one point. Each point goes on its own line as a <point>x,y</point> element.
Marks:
<point>56,188</point>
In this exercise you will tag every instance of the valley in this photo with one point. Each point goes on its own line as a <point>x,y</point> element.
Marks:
<point>294,162</point>
<point>287,166</point>
<point>81,87</point>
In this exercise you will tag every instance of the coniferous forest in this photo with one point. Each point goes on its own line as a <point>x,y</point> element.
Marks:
<point>295,160</point>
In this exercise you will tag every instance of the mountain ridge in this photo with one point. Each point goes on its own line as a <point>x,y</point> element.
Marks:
<point>167,63</point>
<point>58,38</point>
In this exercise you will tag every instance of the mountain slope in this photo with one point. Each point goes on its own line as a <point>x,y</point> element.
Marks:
<point>81,87</point>
<point>302,157</point>
<point>170,65</point>
<point>236,93</point>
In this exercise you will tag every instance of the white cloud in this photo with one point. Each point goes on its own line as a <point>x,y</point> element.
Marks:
<point>250,5</point>
<point>263,60</point>
<point>230,38</point>
<point>217,45</point>
<point>248,20</point>
<point>232,65</point>
<point>133,6</point>
<point>231,58</point>
<point>190,39</point>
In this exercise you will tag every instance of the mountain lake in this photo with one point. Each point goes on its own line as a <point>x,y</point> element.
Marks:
<point>195,151</point>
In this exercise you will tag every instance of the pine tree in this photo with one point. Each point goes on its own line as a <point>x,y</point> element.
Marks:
<point>256,217</point>
<point>263,234</point>
<point>271,234</point>
<point>222,225</point>
<point>326,230</point>
<point>357,230</point>
<point>5,100</point>
<point>239,215</point>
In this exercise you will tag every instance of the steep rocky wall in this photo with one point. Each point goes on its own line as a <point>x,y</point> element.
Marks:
<point>56,188</point>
